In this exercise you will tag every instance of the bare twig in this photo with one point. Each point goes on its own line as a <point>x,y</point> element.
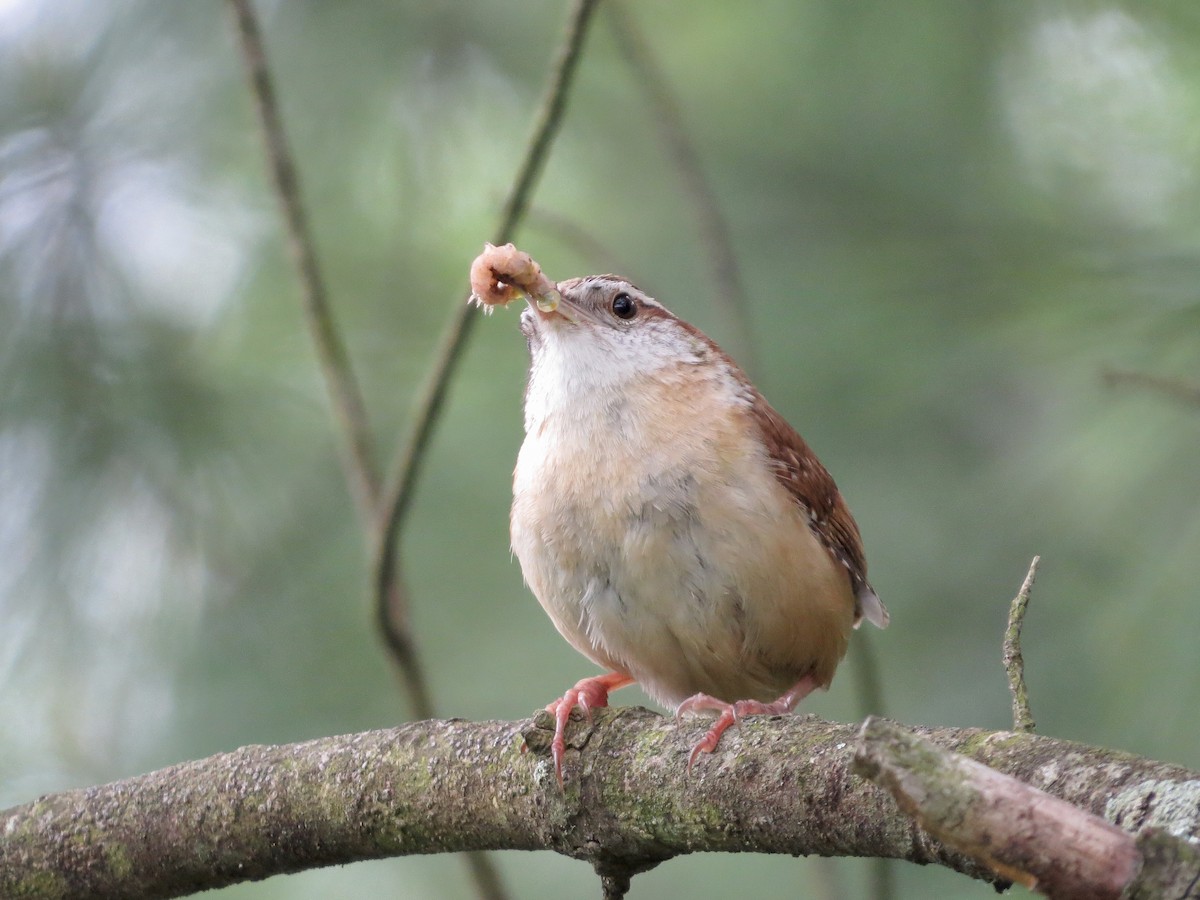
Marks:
<point>729,296</point>
<point>1023,834</point>
<point>1014,662</point>
<point>868,686</point>
<point>1176,388</point>
<point>357,457</point>
<point>390,597</point>
<point>780,786</point>
<point>358,462</point>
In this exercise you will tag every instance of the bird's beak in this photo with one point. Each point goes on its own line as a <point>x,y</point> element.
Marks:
<point>552,302</point>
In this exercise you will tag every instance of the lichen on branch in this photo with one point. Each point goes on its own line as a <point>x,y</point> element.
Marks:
<point>778,786</point>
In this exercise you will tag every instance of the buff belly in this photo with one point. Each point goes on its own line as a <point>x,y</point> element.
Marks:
<point>693,574</point>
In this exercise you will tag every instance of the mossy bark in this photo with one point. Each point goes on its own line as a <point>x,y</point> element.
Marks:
<point>777,785</point>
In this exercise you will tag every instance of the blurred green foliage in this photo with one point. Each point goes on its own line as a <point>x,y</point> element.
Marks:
<point>950,219</point>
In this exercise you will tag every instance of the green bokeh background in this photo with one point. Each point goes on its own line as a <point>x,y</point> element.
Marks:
<point>950,219</point>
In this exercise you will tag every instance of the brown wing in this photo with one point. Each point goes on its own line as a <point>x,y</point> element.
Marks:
<point>810,483</point>
<point>799,470</point>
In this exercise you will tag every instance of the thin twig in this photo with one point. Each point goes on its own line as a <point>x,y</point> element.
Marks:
<point>344,394</point>
<point>1176,388</point>
<point>868,686</point>
<point>729,296</point>
<point>358,458</point>
<point>1014,662</point>
<point>390,599</point>
<point>358,462</point>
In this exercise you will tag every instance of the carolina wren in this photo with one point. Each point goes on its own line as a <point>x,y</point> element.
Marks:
<point>676,529</point>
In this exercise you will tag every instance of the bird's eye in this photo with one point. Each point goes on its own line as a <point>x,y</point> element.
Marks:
<point>624,306</point>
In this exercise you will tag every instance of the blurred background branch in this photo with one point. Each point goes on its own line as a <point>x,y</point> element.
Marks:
<point>391,600</point>
<point>345,397</point>
<point>1176,388</point>
<point>715,245</point>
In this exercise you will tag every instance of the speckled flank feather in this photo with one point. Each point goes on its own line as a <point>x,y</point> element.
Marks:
<point>813,488</point>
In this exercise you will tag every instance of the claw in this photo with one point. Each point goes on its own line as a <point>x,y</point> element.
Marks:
<point>709,742</point>
<point>587,694</point>
<point>733,713</point>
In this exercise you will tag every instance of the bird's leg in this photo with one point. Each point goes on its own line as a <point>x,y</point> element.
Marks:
<point>588,694</point>
<point>732,713</point>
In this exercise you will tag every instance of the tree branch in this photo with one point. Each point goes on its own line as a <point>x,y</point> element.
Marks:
<point>1020,832</point>
<point>777,786</point>
<point>391,600</point>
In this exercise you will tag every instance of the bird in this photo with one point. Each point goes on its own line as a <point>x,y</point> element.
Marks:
<point>676,529</point>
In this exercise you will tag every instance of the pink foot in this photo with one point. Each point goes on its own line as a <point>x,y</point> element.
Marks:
<point>588,694</point>
<point>733,713</point>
